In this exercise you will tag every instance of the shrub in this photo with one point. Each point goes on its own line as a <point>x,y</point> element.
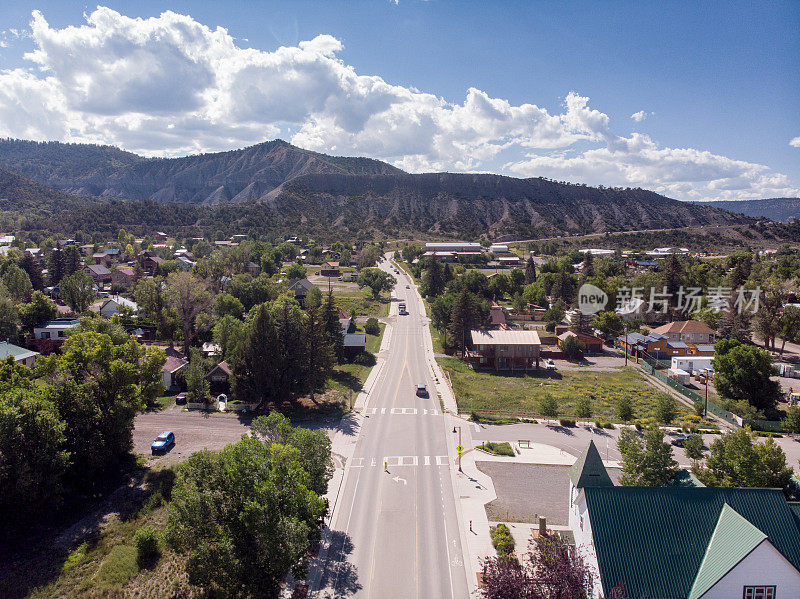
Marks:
<point>608,425</point>
<point>667,409</point>
<point>372,327</point>
<point>503,448</point>
<point>502,540</point>
<point>625,408</point>
<point>548,406</point>
<point>364,358</point>
<point>638,425</point>
<point>567,422</point>
<point>147,549</point>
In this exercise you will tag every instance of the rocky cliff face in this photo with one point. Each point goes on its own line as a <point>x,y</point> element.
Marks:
<point>475,204</point>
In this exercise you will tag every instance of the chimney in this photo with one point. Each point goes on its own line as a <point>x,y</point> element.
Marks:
<point>542,526</point>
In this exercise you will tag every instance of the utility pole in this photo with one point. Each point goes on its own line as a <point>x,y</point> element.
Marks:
<point>705,410</point>
<point>626,344</point>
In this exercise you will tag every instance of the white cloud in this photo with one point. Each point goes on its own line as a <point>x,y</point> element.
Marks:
<point>170,85</point>
<point>641,115</point>
<point>795,142</point>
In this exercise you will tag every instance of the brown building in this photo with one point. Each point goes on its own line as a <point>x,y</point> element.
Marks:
<point>594,345</point>
<point>504,349</point>
<point>330,269</point>
<point>123,278</point>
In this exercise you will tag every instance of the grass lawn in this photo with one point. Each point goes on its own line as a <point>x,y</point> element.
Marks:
<point>520,394</point>
<point>348,379</point>
<point>361,303</point>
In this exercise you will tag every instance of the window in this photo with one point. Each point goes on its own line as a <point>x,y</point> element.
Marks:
<point>758,592</point>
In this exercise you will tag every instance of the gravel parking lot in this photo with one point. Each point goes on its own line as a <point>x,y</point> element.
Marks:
<point>194,431</point>
<point>527,489</point>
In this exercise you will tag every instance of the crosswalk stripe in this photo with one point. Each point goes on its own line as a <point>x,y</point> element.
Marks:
<point>404,411</point>
<point>400,460</point>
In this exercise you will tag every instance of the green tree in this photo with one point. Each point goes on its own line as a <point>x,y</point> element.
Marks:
<point>693,445</point>
<point>441,309</point>
<point>9,315</point>
<point>376,279</point>
<point>572,347</point>
<point>583,408</point>
<point>295,271</point>
<point>72,259</point>
<point>40,309</point>
<point>742,373</point>
<point>17,282</point>
<point>314,446</point>
<point>189,297</point>
<point>198,389</point>
<point>77,290</point>
<point>318,353</point>
<point>56,266</point>
<point>789,326</point>
<point>246,544</point>
<point>34,459</point>
<point>548,406</point>
<point>227,305</point>
<point>624,408</point>
<point>433,278</point>
<point>255,369</point>
<point>333,327</point>
<point>30,264</point>
<point>666,408</point>
<point>530,271</point>
<point>646,462</point>
<point>372,327</point>
<point>792,420</point>
<point>227,333</point>
<point>465,315</point>
<point>736,459</point>
<point>609,323</point>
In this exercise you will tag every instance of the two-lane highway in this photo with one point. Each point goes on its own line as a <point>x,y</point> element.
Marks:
<point>394,532</point>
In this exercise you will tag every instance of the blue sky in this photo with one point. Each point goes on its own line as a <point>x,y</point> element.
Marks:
<point>554,85</point>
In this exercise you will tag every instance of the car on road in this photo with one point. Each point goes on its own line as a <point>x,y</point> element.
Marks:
<point>402,309</point>
<point>550,365</point>
<point>163,442</point>
<point>408,286</point>
<point>180,398</point>
<point>421,390</point>
<point>680,439</point>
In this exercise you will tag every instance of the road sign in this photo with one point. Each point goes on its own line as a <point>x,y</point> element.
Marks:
<point>459,449</point>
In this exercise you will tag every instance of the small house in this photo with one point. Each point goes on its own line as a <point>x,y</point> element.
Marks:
<point>123,278</point>
<point>172,366</point>
<point>219,378</point>
<point>23,356</point>
<point>504,349</point>
<point>115,304</point>
<point>48,336</point>
<point>151,262</point>
<point>330,269</point>
<point>102,258</point>
<point>99,273</point>
<point>594,345</point>
<point>354,344</point>
<point>300,288</point>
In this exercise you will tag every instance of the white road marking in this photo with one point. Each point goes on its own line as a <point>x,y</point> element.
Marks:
<point>397,479</point>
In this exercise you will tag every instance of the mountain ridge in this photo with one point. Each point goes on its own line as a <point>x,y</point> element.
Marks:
<point>778,209</point>
<point>276,182</point>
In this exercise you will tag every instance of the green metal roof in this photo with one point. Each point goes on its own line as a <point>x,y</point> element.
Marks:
<point>653,540</point>
<point>588,470</point>
<point>685,478</point>
<point>19,353</point>
<point>733,539</point>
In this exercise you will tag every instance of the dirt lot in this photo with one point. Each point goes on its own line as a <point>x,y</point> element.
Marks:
<point>527,489</point>
<point>193,431</point>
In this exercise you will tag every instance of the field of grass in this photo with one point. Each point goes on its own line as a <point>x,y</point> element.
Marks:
<point>519,394</point>
<point>361,303</point>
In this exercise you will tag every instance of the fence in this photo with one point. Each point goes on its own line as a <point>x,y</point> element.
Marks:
<point>652,367</point>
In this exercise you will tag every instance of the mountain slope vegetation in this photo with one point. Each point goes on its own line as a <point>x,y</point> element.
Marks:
<point>779,209</point>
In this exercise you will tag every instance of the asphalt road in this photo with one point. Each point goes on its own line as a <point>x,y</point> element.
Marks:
<point>394,530</point>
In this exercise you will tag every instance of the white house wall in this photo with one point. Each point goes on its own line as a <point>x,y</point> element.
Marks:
<point>766,566</point>
<point>582,530</point>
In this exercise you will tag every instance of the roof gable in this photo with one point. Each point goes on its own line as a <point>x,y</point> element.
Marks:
<point>653,539</point>
<point>733,539</point>
<point>588,470</point>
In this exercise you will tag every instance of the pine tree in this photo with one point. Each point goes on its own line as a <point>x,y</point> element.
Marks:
<point>56,270</point>
<point>464,316</point>
<point>588,265</point>
<point>31,265</point>
<point>319,355</point>
<point>332,326</point>
<point>72,259</point>
<point>530,271</point>
<point>255,369</point>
